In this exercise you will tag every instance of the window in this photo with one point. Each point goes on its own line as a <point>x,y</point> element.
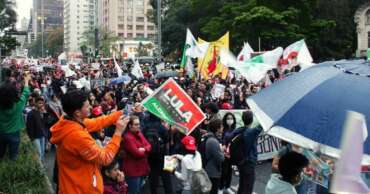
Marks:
<point>368,39</point>
<point>140,35</point>
<point>139,27</point>
<point>120,34</point>
<point>129,27</point>
<point>367,15</point>
<point>129,35</point>
<point>140,19</point>
<point>150,27</point>
<point>129,18</point>
<point>120,26</point>
<point>151,36</point>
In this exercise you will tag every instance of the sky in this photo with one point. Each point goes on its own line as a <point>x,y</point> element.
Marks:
<point>23,10</point>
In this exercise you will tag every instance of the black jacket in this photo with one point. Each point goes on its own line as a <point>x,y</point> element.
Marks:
<point>35,124</point>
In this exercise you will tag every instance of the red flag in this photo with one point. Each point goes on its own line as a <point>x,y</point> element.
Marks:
<point>212,66</point>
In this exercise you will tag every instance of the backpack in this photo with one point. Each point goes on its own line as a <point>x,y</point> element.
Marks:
<point>155,141</point>
<point>202,149</point>
<point>237,152</point>
<point>200,182</point>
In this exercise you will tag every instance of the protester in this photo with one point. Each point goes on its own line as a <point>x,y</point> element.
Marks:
<point>229,125</point>
<point>78,156</point>
<point>213,155</point>
<point>247,166</point>
<point>11,116</point>
<point>158,137</point>
<point>190,162</point>
<point>114,179</point>
<point>36,126</point>
<point>291,167</point>
<point>135,160</point>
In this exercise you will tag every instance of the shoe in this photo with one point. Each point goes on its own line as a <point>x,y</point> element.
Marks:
<point>220,192</point>
<point>229,191</point>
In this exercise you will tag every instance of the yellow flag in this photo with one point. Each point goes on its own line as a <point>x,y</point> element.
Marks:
<point>203,63</point>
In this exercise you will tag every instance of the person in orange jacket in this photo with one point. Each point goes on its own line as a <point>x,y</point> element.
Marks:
<point>79,158</point>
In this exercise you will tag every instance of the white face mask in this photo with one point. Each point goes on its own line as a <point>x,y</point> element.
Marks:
<point>229,122</point>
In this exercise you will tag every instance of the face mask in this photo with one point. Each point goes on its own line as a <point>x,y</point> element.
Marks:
<point>229,122</point>
<point>301,177</point>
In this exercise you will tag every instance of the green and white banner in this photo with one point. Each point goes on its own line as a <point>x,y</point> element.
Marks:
<point>171,103</point>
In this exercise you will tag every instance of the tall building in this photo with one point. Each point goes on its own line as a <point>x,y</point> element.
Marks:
<point>48,12</point>
<point>79,17</point>
<point>128,20</point>
<point>362,19</point>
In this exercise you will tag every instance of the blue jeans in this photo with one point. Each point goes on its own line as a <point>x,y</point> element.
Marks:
<point>134,184</point>
<point>10,141</point>
<point>185,192</point>
<point>40,147</point>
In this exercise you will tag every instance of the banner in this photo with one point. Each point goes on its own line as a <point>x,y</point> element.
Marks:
<point>170,103</point>
<point>267,146</point>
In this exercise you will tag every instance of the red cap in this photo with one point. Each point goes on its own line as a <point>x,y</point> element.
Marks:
<point>226,106</point>
<point>189,143</point>
<point>97,111</point>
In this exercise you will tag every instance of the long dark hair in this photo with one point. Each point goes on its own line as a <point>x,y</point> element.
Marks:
<point>224,123</point>
<point>9,95</point>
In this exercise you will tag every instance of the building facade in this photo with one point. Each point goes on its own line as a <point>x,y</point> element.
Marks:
<point>79,17</point>
<point>46,15</point>
<point>362,20</point>
<point>127,19</point>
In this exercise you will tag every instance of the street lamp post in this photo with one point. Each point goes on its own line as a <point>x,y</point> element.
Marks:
<point>42,28</point>
<point>159,12</point>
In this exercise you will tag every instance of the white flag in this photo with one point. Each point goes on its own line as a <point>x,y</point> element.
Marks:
<point>298,54</point>
<point>119,70</point>
<point>192,48</point>
<point>136,70</point>
<point>347,174</point>
<point>246,53</point>
<point>68,71</point>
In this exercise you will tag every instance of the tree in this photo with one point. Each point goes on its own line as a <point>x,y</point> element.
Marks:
<point>8,19</point>
<point>143,49</point>
<point>54,42</point>
<point>326,25</point>
<point>105,39</point>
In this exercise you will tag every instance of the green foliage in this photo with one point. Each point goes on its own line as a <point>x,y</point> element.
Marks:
<point>24,175</point>
<point>326,25</point>
<point>105,41</point>
<point>53,44</point>
<point>8,19</point>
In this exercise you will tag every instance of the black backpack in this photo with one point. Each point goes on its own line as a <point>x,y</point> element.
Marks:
<point>237,152</point>
<point>156,142</point>
<point>202,149</point>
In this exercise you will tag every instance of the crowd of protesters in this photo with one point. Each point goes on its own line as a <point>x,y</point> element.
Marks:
<point>106,142</point>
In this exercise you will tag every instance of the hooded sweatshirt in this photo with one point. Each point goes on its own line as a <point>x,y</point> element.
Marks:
<point>278,186</point>
<point>79,157</point>
<point>189,163</point>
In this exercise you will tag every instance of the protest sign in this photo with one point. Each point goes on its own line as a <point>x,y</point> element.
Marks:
<point>170,103</point>
<point>267,146</point>
<point>317,171</point>
<point>217,90</point>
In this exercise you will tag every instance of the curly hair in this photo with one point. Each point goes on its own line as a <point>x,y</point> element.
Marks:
<point>9,95</point>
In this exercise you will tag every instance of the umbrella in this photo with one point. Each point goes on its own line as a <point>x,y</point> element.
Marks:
<point>122,79</point>
<point>309,108</point>
<point>166,74</point>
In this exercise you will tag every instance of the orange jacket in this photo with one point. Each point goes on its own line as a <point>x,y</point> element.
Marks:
<point>79,157</point>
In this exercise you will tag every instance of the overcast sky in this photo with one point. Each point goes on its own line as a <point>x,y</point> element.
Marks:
<point>23,9</point>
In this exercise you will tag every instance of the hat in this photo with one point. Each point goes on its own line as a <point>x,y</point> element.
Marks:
<point>97,111</point>
<point>189,143</point>
<point>226,106</point>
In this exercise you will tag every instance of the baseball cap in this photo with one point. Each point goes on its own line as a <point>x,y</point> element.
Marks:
<point>97,111</point>
<point>189,143</point>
